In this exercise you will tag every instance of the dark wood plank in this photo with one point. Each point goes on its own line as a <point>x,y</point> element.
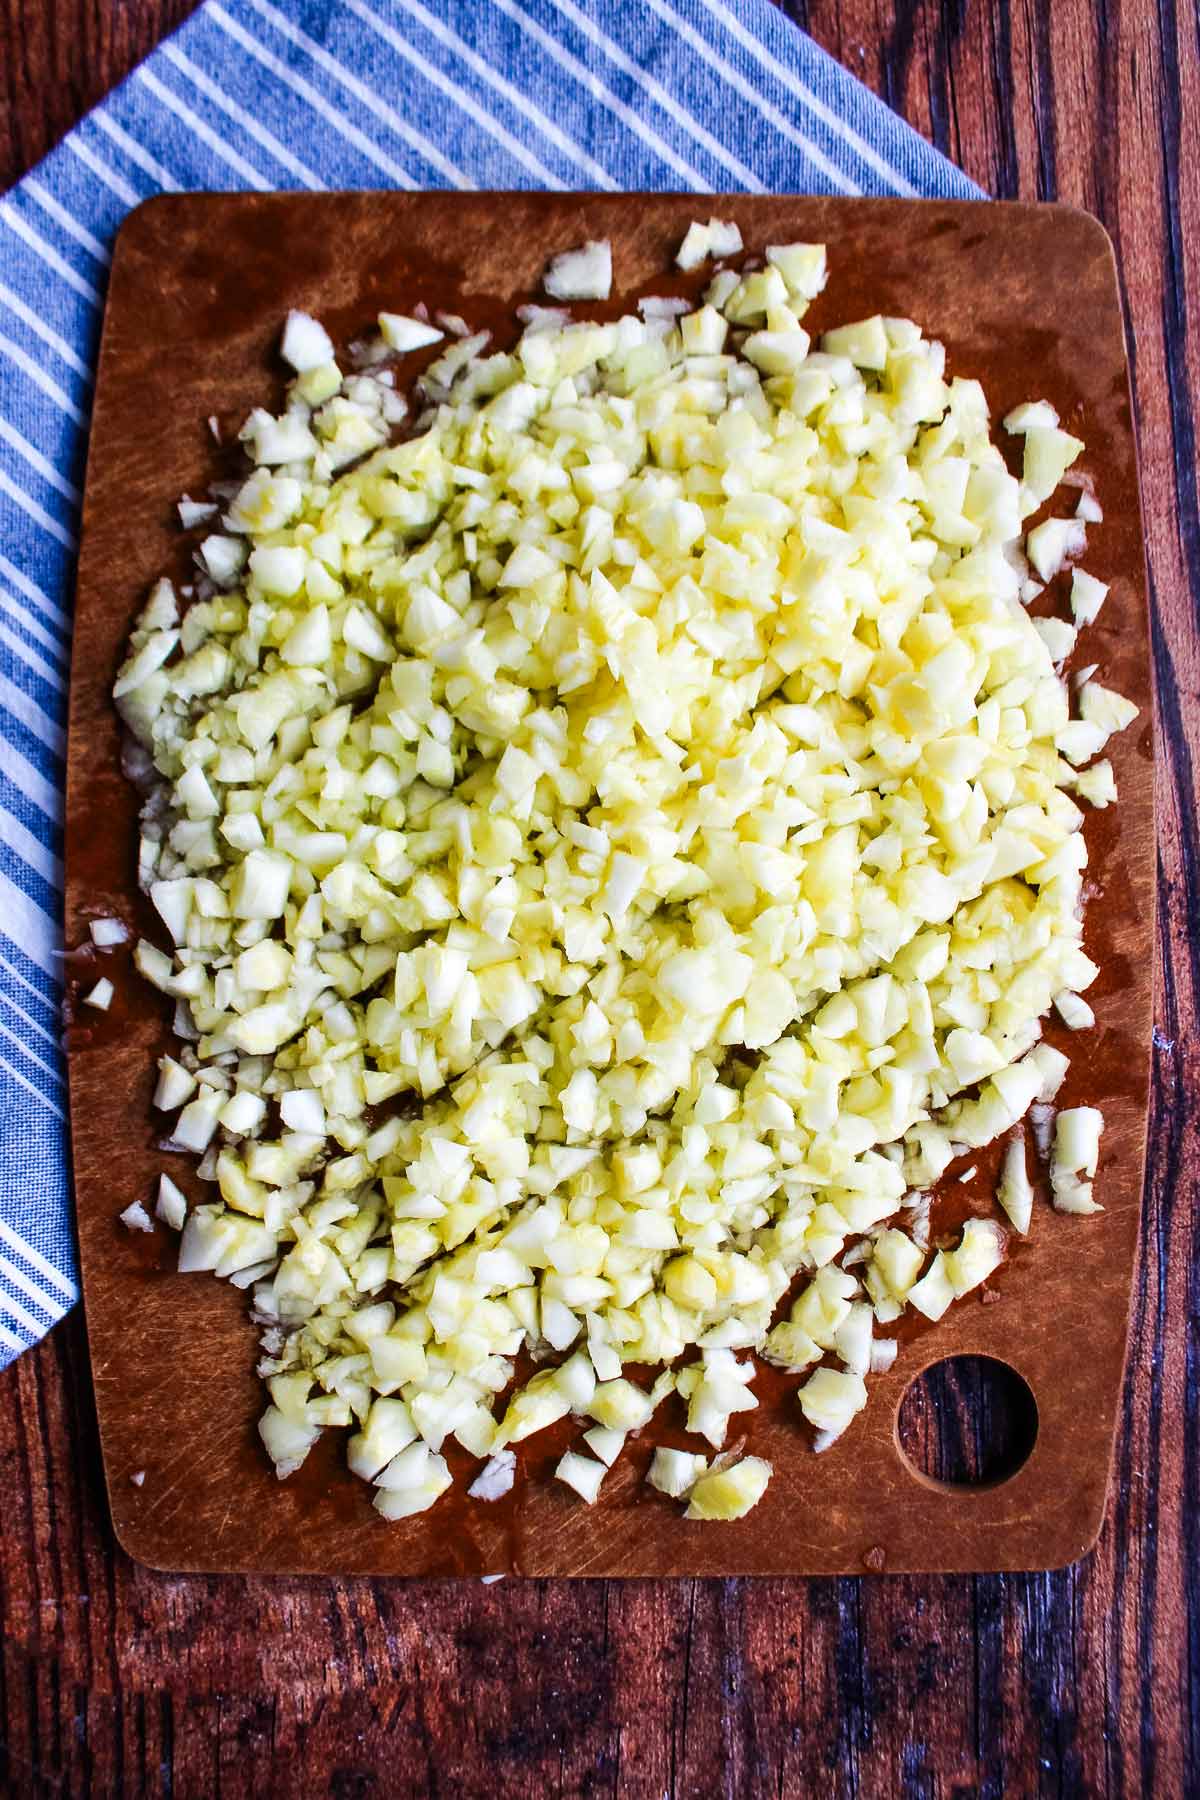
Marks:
<point>59,57</point>
<point>115,1681</point>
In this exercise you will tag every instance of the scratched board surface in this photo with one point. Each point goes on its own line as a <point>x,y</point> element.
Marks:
<point>1025,299</point>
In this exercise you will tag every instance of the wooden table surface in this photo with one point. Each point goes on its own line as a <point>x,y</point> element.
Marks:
<point>117,1681</point>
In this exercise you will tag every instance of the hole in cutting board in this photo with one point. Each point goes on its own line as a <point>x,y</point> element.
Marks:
<point>967,1421</point>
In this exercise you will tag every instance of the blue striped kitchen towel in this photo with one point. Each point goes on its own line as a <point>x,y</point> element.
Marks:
<point>711,95</point>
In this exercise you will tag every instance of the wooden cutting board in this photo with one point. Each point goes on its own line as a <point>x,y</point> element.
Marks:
<point>1026,299</point>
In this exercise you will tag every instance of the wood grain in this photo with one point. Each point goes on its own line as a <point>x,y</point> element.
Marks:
<point>59,57</point>
<point>1025,300</point>
<point>1081,1683</point>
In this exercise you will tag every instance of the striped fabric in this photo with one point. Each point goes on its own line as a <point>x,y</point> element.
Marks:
<point>708,95</point>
